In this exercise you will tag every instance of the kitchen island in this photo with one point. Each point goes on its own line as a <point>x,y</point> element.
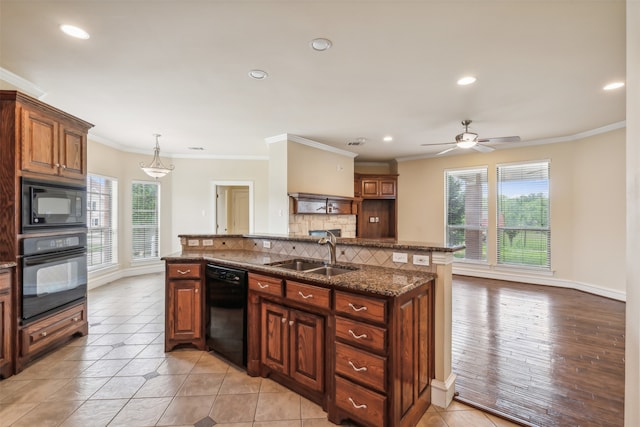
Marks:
<point>372,344</point>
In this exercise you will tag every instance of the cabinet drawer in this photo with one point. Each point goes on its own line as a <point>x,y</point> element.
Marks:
<point>265,284</point>
<point>361,334</point>
<point>363,367</point>
<point>5,281</point>
<point>363,404</point>
<point>37,335</point>
<point>361,307</point>
<point>308,294</point>
<point>183,271</point>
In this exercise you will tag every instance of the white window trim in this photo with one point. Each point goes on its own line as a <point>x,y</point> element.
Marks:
<point>150,259</point>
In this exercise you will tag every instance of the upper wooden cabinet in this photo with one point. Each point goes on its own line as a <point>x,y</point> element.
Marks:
<point>376,186</point>
<point>305,203</point>
<point>47,141</point>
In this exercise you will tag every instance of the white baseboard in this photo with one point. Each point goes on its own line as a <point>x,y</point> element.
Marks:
<point>442,392</point>
<point>527,277</point>
<point>102,277</point>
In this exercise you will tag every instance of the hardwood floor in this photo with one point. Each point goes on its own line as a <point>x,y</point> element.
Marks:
<point>544,356</point>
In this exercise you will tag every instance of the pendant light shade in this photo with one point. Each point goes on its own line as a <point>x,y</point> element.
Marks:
<point>156,169</point>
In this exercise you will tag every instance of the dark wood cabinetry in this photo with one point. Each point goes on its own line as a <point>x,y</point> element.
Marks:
<point>304,203</point>
<point>6,328</point>
<point>184,306</point>
<point>376,206</point>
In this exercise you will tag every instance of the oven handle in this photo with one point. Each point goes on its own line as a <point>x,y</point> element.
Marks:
<point>53,256</point>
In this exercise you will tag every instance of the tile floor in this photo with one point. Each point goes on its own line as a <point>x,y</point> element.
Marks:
<point>119,375</point>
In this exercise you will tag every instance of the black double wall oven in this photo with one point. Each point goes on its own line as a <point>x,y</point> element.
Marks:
<point>53,257</point>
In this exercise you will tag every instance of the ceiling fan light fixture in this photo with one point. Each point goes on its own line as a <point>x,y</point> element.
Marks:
<point>156,168</point>
<point>467,139</point>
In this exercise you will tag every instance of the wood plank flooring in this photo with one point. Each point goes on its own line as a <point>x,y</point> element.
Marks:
<point>541,355</point>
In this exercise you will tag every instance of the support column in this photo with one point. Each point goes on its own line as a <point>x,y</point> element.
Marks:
<point>443,386</point>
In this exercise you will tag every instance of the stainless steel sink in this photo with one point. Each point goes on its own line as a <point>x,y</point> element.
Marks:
<point>313,267</point>
<point>331,270</point>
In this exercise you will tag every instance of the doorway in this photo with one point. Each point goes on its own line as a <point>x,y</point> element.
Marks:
<point>233,210</point>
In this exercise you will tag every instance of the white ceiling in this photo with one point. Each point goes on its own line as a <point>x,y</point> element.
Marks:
<point>179,68</point>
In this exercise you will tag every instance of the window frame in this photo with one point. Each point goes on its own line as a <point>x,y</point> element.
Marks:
<point>94,223</point>
<point>152,257</point>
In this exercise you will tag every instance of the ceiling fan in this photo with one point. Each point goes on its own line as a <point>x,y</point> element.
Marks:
<point>468,140</point>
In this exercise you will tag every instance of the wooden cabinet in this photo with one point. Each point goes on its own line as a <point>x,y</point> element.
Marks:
<point>184,304</point>
<point>38,337</point>
<point>6,328</point>
<point>383,358</point>
<point>376,206</point>
<point>304,203</point>
<point>52,144</point>
<point>376,186</point>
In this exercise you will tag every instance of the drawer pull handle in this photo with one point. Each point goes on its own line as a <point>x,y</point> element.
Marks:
<point>355,368</point>
<point>183,272</point>
<point>353,334</point>
<point>261,286</point>
<point>195,290</point>
<point>44,334</point>
<point>355,405</point>
<point>57,165</point>
<point>284,320</point>
<point>305,296</point>
<point>75,319</point>
<point>63,166</point>
<point>363,308</point>
<point>290,322</point>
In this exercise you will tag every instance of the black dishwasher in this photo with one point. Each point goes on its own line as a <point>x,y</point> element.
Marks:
<point>227,313</point>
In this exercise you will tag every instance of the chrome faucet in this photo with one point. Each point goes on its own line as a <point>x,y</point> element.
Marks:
<point>331,241</point>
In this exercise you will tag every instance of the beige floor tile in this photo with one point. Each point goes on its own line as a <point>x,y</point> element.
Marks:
<point>308,409</point>
<point>143,319</point>
<point>270,386</point>
<point>142,338</point>
<point>79,389</point>
<point>461,418</point>
<point>48,414</point>
<point>317,422</point>
<point>111,339</point>
<point>140,367</point>
<point>278,406</point>
<point>9,413</point>
<point>47,369</point>
<point>89,352</point>
<point>95,413</point>
<point>126,328</point>
<point>500,422</point>
<point>187,410</point>
<point>234,408</point>
<point>104,368</point>
<point>119,388</point>
<point>239,383</point>
<point>288,423</point>
<point>250,424</point>
<point>201,385</point>
<point>115,320</point>
<point>161,386</point>
<point>124,352</point>
<point>11,387</point>
<point>432,419</point>
<point>152,327</point>
<point>37,391</point>
<point>141,412</point>
<point>210,364</point>
<point>176,366</point>
<point>152,351</point>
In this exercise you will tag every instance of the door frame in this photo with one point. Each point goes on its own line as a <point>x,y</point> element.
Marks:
<point>214,198</point>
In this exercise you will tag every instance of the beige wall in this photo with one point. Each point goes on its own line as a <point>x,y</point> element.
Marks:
<point>587,206</point>
<point>316,171</point>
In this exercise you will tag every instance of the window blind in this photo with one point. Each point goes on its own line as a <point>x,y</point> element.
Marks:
<point>466,212</point>
<point>144,220</point>
<point>523,230</point>
<point>102,245</point>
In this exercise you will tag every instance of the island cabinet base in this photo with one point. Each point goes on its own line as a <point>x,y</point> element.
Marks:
<point>361,356</point>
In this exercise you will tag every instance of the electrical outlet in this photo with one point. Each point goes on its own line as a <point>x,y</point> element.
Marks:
<point>421,259</point>
<point>207,242</point>
<point>399,257</point>
<point>193,242</point>
<point>266,244</point>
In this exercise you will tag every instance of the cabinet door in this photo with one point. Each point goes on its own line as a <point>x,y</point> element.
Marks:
<point>370,188</point>
<point>39,143</point>
<point>274,342</point>
<point>73,157</point>
<point>387,188</point>
<point>185,310</point>
<point>307,349</point>
<point>5,329</point>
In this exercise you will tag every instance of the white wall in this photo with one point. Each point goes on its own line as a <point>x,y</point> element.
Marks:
<point>587,207</point>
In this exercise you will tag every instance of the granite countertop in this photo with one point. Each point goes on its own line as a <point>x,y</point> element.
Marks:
<point>376,280</point>
<point>7,264</point>
<point>349,241</point>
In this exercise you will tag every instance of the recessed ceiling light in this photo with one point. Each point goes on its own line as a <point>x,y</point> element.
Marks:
<point>614,85</point>
<point>387,138</point>
<point>320,44</point>
<point>258,74</point>
<point>73,31</point>
<point>466,80</point>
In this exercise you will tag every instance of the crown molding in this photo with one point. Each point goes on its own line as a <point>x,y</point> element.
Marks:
<point>553,140</point>
<point>22,84</point>
<point>309,143</point>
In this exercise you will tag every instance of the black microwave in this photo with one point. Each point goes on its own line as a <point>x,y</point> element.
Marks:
<point>49,205</point>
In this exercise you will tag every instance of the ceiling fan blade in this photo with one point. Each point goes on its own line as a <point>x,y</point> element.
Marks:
<point>447,150</point>
<point>500,140</point>
<point>483,148</point>
<point>438,143</point>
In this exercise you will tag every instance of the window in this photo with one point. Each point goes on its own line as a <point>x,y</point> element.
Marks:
<point>466,212</point>
<point>102,209</point>
<point>523,215</point>
<point>145,202</point>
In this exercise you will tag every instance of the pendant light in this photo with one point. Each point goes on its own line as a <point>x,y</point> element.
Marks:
<point>156,169</point>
